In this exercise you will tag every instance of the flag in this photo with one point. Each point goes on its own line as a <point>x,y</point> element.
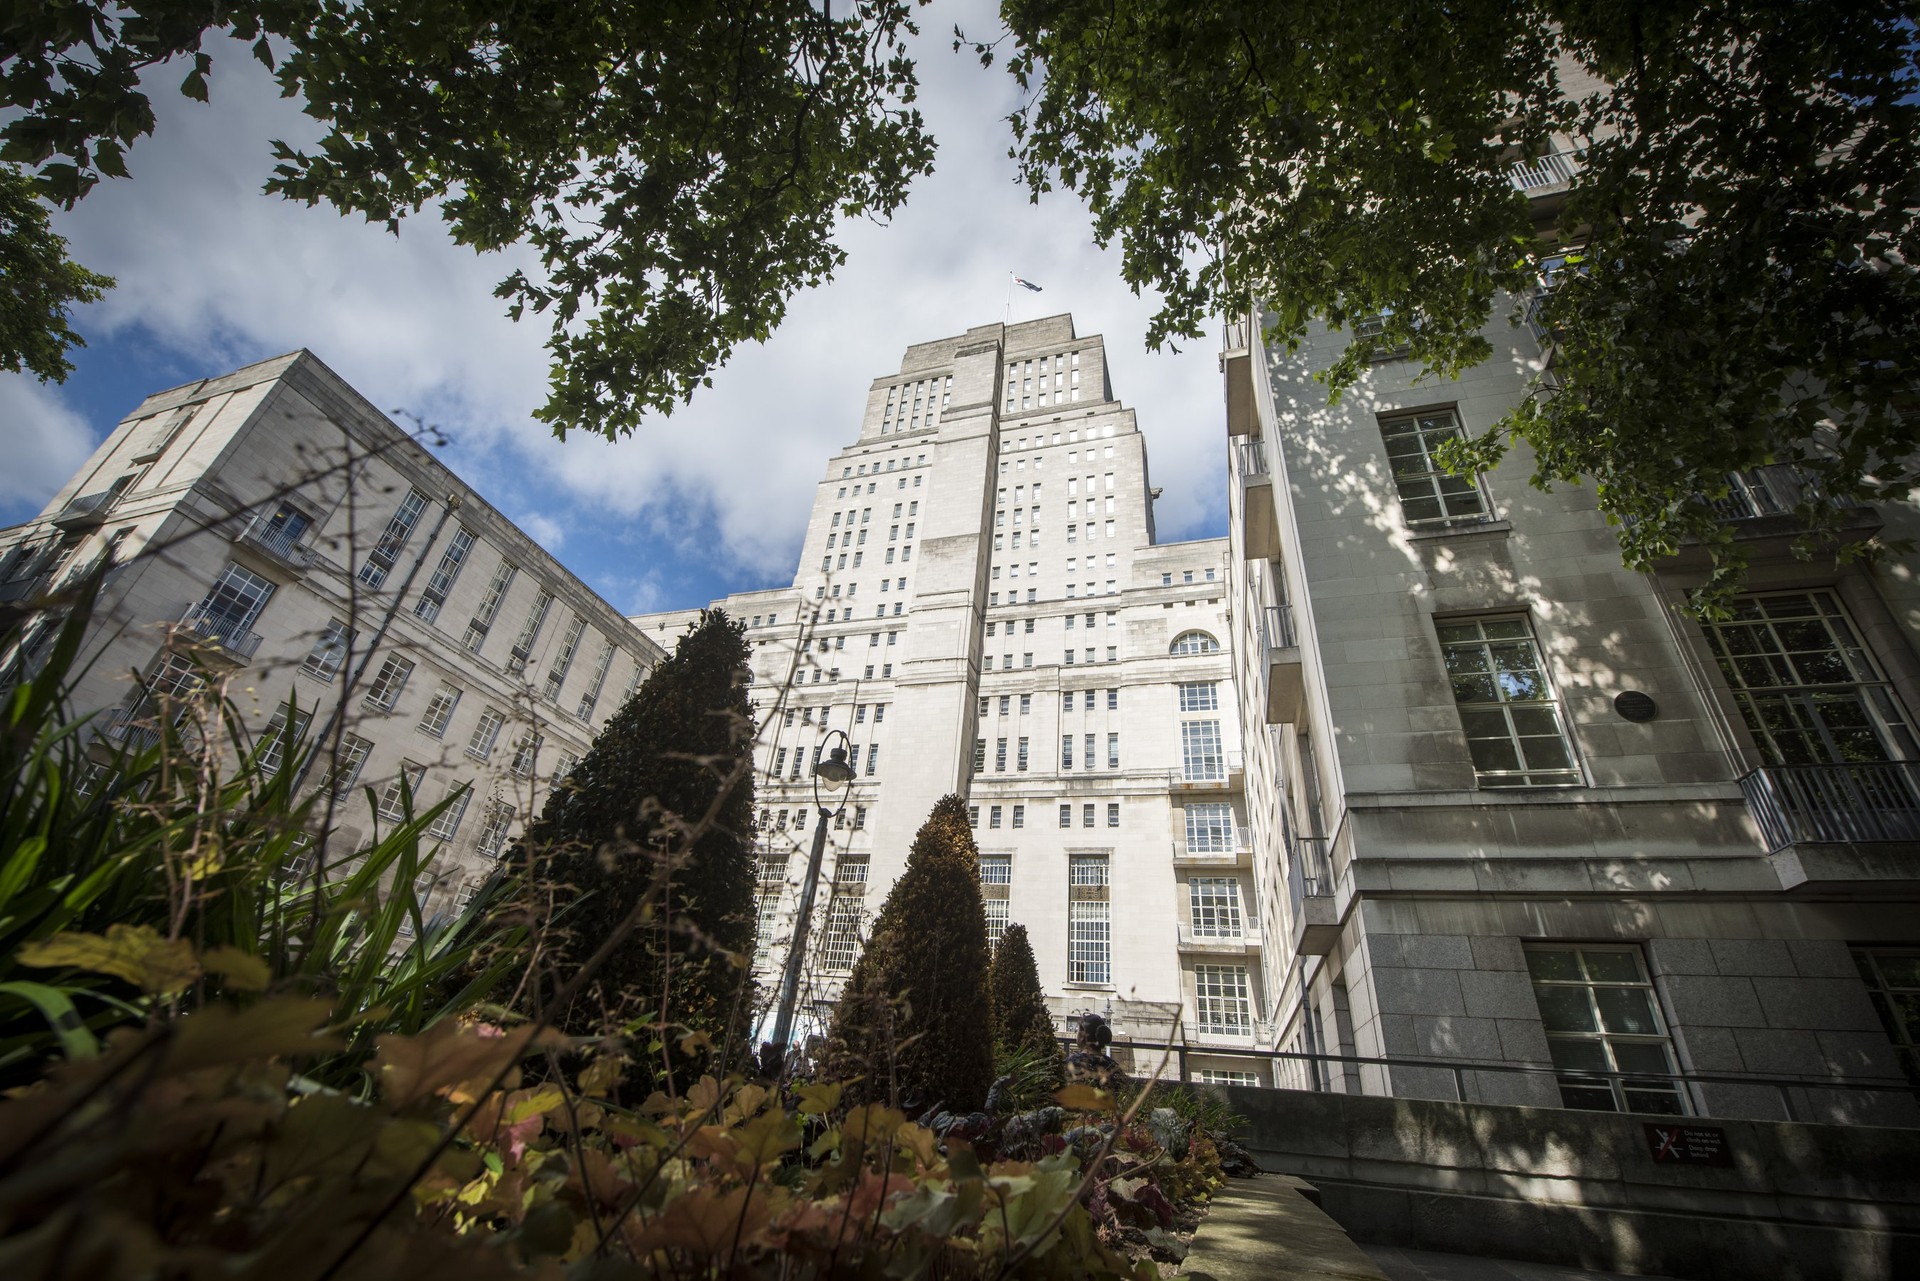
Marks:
<point>1026,284</point>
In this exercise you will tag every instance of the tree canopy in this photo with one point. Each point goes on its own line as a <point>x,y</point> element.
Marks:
<point>678,167</point>
<point>1743,207</point>
<point>39,285</point>
<point>1021,1020</point>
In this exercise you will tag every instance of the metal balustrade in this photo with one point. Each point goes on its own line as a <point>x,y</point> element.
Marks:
<point>226,630</point>
<point>1251,460</point>
<point>1764,491</point>
<point>1550,170</point>
<point>278,541</point>
<point>1276,630</point>
<point>1866,801</point>
<point>1307,871</point>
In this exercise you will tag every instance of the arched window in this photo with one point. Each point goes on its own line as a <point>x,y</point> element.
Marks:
<point>1194,643</point>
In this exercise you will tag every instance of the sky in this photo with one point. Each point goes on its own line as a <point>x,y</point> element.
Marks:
<point>213,275</point>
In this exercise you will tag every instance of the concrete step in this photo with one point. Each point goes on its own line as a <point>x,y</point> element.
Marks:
<point>1266,1229</point>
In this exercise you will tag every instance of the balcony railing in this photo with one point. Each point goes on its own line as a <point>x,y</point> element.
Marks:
<point>1238,846</point>
<point>133,727</point>
<point>279,541</point>
<point>1307,874</point>
<point>1192,940</point>
<point>226,630</point>
<point>1764,491</point>
<point>1550,170</point>
<point>1868,801</point>
<point>1217,772</point>
<point>1251,460</point>
<point>1276,630</point>
<point>87,511</point>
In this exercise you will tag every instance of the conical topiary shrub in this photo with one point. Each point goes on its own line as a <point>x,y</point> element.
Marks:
<point>913,1020</point>
<point>614,831</point>
<point>1021,1021</point>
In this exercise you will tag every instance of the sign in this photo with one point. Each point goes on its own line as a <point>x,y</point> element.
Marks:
<point>1689,1145</point>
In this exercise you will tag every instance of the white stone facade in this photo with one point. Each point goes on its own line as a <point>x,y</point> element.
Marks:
<point>252,513</point>
<point>1730,857</point>
<point>981,606</point>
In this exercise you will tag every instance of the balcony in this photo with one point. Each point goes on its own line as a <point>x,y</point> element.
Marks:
<point>1241,944</point>
<point>1236,368</point>
<point>1280,659</point>
<point>1261,518</point>
<point>1316,921</point>
<point>1220,774</point>
<point>1555,169</point>
<point>1862,803</point>
<point>1239,854</point>
<point>227,633</point>
<point>88,512</point>
<point>134,728</point>
<point>278,540</point>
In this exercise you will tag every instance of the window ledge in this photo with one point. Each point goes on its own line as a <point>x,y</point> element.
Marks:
<point>1088,987</point>
<point>1425,533</point>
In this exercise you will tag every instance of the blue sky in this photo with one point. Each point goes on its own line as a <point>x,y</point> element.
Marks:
<point>715,498</point>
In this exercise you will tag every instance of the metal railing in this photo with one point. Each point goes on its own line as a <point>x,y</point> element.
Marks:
<point>1764,491</point>
<point>88,510</point>
<point>1239,844</point>
<point>133,727</point>
<point>226,630</point>
<point>1276,628</point>
<point>1237,335</point>
<point>279,541</point>
<point>1866,801</point>
<point>1191,938</point>
<point>1232,763</point>
<point>1549,170</point>
<point>1307,871</point>
<point>1251,460</point>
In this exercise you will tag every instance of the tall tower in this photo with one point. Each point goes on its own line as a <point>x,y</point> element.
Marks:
<point>981,606</point>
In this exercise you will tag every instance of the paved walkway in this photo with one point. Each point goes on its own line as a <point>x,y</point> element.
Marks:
<point>1263,1229</point>
<point>1431,1265</point>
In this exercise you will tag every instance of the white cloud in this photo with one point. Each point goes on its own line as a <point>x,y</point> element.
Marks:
<point>546,531</point>
<point>41,439</point>
<point>210,267</point>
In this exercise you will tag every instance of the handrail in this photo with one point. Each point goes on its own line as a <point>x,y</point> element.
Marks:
<point>222,628</point>
<point>1860,801</point>
<point>280,541</point>
<point>1459,1067</point>
<point>1252,459</point>
<point>1545,171</point>
<point>1277,627</point>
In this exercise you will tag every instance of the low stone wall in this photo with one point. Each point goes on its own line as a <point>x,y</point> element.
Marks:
<point>1790,1201</point>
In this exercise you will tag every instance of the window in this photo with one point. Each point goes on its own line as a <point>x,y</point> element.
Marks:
<point>1201,757</point>
<point>1219,1076</point>
<point>346,770</point>
<point>486,733</point>
<point>1089,920</point>
<point>1019,816</point>
<point>769,882</point>
<point>329,652</point>
<point>387,683</point>
<point>1511,719</point>
<point>1806,685</point>
<point>873,758</point>
<point>973,817</point>
<point>526,752</point>
<point>274,738</point>
<point>1598,1008</point>
<point>448,822</point>
<point>591,695</point>
<point>386,552</point>
<point>1086,815</point>
<point>998,911</point>
<point>483,617</point>
<point>841,938</point>
<point>1066,751</point>
<point>1000,756</point>
<point>1020,763</point>
<point>1113,751</point>
<point>1221,1004</point>
<point>493,829</point>
<point>1199,696</point>
<point>1428,493</point>
<point>562,661</point>
<point>1214,902</point>
<point>452,561</point>
<point>1892,976</point>
<point>403,788</point>
<point>439,710</point>
<point>1193,643</point>
<point>530,631</point>
<point>1113,699</point>
<point>979,755</point>
<point>993,816</point>
<point>1113,813</point>
<point>231,606</point>
<point>1209,827</point>
<point>1066,815</point>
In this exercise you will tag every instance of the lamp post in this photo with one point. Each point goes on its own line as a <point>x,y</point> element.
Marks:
<point>836,771</point>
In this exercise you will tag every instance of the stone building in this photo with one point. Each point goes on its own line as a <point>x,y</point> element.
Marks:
<point>272,528</point>
<point>981,606</point>
<point>1527,811</point>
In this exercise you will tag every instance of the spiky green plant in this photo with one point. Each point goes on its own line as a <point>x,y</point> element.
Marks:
<point>1021,1020</point>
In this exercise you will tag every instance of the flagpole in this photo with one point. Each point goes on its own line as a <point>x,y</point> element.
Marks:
<point>1006,317</point>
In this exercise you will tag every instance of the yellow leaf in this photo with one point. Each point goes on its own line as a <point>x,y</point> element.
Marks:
<point>242,970</point>
<point>819,1100</point>
<point>136,953</point>
<point>704,1094</point>
<point>535,1102</point>
<point>1084,1098</point>
<point>601,1075</point>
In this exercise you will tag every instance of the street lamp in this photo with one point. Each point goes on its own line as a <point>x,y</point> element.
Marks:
<point>835,771</point>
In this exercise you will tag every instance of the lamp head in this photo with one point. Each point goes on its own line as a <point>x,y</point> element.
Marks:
<point>835,769</point>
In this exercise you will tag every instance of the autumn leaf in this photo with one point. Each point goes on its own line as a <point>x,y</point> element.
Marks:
<point>704,1222</point>
<point>449,1058</point>
<point>136,953</point>
<point>1084,1098</point>
<point>243,971</point>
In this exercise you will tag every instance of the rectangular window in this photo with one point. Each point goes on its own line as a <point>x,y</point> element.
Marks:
<point>1199,696</point>
<point>1892,976</point>
<point>486,733</point>
<point>1021,760</point>
<point>483,617</point>
<point>1019,816</point>
<point>1113,813</point>
<point>439,710</point>
<point>770,881</point>
<point>329,652</point>
<point>1428,493</point>
<point>1066,816</point>
<point>1597,1005</point>
<point>1086,815</point>
<point>526,752</point>
<point>494,829</point>
<point>443,827</point>
<point>354,751</point>
<point>1202,759</point>
<point>563,660</point>
<point>1805,683</point>
<point>530,631</point>
<point>273,740</point>
<point>1113,699</point>
<point>998,910</point>
<point>1000,756</point>
<point>1209,827</point>
<point>1113,751</point>
<point>979,755</point>
<point>1221,1003</point>
<point>400,790</point>
<point>1066,751</point>
<point>873,758</point>
<point>1507,709</point>
<point>591,695</point>
<point>1089,920</point>
<point>840,943</point>
<point>1214,903</point>
<point>380,561</point>
<point>445,574</point>
<point>387,683</point>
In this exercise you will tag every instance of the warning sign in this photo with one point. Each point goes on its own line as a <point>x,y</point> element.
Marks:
<point>1689,1145</point>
